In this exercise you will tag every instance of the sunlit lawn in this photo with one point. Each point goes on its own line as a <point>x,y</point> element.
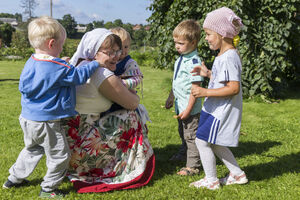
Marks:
<point>269,148</point>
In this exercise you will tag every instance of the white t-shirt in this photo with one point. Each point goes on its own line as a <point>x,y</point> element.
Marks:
<point>88,98</point>
<point>220,119</point>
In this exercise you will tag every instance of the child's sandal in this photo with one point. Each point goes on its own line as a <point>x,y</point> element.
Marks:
<point>186,171</point>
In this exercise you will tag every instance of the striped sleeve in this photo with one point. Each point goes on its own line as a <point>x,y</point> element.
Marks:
<point>132,82</point>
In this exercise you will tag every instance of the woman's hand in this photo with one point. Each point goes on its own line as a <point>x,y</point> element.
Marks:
<point>201,70</point>
<point>198,91</point>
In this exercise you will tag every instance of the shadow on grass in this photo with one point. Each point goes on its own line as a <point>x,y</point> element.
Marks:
<point>248,148</point>
<point>37,181</point>
<point>34,182</point>
<point>1,80</point>
<point>286,164</point>
<point>162,164</point>
<point>165,167</point>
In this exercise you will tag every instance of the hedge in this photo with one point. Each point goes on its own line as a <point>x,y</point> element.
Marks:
<point>269,44</point>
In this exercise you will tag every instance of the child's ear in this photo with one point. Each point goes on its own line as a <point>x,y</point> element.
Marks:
<point>51,43</point>
<point>194,43</point>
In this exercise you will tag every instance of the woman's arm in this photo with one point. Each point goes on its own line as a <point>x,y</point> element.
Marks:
<point>230,89</point>
<point>114,90</point>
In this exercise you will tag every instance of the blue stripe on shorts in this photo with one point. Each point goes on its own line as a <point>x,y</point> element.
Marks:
<point>208,127</point>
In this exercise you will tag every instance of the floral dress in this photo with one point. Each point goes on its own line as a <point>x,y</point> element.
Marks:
<point>109,153</point>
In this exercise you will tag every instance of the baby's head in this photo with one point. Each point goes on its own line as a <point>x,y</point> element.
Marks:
<point>126,40</point>
<point>186,36</point>
<point>224,22</point>
<point>44,32</point>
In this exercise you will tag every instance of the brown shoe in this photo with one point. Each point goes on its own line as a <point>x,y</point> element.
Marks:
<point>187,171</point>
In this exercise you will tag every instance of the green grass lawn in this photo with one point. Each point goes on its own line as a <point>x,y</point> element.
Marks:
<point>269,149</point>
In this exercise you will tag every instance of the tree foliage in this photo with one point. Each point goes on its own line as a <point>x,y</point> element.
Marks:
<point>269,44</point>
<point>17,16</point>
<point>69,23</point>
<point>6,31</point>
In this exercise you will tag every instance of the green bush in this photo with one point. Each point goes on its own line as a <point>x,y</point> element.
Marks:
<point>269,44</point>
<point>70,47</point>
<point>21,47</point>
<point>145,57</point>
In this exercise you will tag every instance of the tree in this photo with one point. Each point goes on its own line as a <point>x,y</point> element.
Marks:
<point>118,23</point>
<point>29,6</point>
<point>18,17</point>
<point>89,27</point>
<point>6,31</point>
<point>269,45</point>
<point>98,24</point>
<point>139,37</point>
<point>109,25</point>
<point>70,24</point>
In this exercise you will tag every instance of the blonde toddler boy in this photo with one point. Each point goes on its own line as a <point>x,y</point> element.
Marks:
<point>186,36</point>
<point>47,86</point>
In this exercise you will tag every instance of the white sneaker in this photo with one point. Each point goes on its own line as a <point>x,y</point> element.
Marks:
<point>203,183</point>
<point>232,179</point>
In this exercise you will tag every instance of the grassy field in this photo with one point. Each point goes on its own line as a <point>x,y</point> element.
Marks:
<point>269,149</point>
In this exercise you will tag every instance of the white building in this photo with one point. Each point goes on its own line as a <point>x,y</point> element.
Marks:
<point>80,28</point>
<point>12,21</point>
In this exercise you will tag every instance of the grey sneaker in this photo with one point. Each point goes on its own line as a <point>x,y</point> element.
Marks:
<point>55,194</point>
<point>8,184</point>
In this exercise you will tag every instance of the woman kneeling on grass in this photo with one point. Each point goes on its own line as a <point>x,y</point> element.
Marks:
<point>109,152</point>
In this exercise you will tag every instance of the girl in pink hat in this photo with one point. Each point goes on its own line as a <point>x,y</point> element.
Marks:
<point>220,119</point>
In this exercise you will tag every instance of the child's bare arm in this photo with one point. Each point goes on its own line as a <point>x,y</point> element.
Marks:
<point>231,88</point>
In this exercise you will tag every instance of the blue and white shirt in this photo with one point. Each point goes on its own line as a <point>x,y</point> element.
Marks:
<point>182,82</point>
<point>220,118</point>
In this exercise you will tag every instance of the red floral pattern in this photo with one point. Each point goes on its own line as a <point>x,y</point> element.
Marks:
<point>110,152</point>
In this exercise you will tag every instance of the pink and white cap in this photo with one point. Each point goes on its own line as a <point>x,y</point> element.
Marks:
<point>223,21</point>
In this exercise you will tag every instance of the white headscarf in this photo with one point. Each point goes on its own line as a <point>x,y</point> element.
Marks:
<point>90,44</point>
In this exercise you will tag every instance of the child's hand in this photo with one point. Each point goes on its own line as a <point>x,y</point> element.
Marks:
<point>200,70</point>
<point>198,91</point>
<point>66,58</point>
<point>184,115</point>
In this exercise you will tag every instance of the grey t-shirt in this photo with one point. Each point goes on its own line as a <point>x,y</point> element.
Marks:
<point>220,119</point>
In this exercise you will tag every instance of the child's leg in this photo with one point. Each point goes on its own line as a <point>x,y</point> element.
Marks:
<point>57,154</point>
<point>227,158</point>
<point>208,159</point>
<point>190,127</point>
<point>29,157</point>
<point>183,147</point>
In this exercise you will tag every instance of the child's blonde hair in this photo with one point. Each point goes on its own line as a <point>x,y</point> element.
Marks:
<point>122,33</point>
<point>189,29</point>
<point>44,28</point>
